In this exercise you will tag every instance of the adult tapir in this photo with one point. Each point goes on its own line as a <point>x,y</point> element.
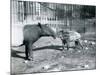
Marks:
<point>31,33</point>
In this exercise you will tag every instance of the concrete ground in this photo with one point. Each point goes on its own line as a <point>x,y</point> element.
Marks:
<point>48,57</point>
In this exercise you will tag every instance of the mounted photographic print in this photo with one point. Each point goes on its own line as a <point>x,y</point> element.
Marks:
<point>52,37</point>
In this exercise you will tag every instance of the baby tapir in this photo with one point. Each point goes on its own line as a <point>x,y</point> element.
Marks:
<point>31,34</point>
<point>70,36</point>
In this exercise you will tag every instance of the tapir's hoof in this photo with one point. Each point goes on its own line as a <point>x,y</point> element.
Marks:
<point>26,61</point>
<point>30,59</point>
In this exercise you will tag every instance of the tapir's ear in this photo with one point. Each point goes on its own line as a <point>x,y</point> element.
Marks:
<point>39,24</point>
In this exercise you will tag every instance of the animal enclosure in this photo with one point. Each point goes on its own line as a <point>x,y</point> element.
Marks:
<point>48,55</point>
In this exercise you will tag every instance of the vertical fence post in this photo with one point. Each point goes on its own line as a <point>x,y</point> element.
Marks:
<point>84,22</point>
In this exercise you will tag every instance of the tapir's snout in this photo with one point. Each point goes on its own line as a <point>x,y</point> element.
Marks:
<point>54,36</point>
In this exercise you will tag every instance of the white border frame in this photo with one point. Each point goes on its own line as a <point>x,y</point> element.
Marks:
<point>5,37</point>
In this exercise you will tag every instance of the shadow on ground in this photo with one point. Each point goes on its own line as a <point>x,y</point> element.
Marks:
<point>15,53</point>
<point>49,47</point>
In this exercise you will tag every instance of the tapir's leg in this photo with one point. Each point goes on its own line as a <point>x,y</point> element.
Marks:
<point>28,51</point>
<point>63,44</point>
<point>80,43</point>
<point>77,42</point>
<point>67,45</point>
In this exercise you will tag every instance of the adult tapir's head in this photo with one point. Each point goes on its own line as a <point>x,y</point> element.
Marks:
<point>47,31</point>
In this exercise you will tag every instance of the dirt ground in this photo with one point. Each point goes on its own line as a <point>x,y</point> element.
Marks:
<point>50,58</point>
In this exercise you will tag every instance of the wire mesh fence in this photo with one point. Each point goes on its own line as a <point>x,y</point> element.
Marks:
<point>59,16</point>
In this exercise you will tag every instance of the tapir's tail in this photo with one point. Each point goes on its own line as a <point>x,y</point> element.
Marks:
<point>19,45</point>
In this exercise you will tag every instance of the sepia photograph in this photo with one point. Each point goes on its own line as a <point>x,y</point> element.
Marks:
<point>52,37</point>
